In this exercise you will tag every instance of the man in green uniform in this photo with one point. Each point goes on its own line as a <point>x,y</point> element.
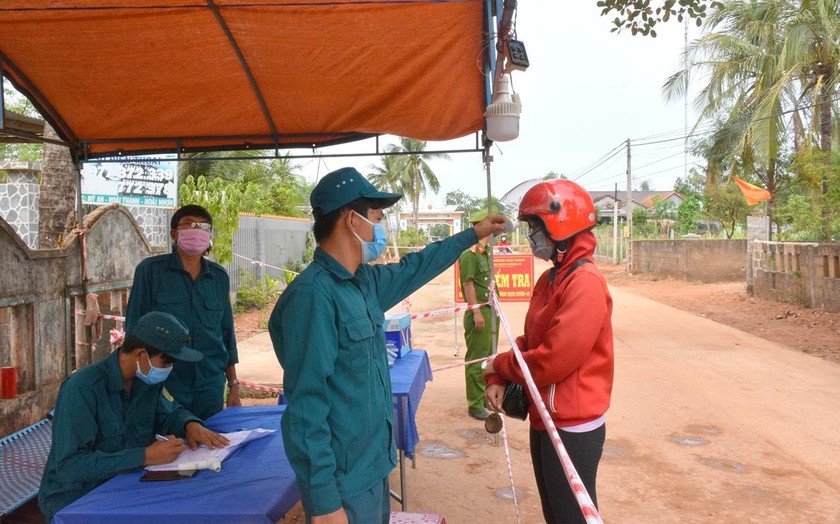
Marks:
<point>107,414</point>
<point>197,292</point>
<point>328,334</point>
<point>474,268</point>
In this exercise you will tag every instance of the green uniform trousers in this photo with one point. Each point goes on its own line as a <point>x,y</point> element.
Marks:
<point>478,346</point>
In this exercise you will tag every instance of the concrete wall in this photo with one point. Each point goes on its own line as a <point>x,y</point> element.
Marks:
<point>264,245</point>
<point>806,274</point>
<point>39,292</point>
<point>692,260</point>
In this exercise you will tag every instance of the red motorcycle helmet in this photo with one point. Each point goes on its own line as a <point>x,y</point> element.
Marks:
<point>564,207</point>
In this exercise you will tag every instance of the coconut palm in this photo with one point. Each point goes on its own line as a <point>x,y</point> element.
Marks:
<point>420,176</point>
<point>745,94</point>
<point>768,61</point>
<point>812,55</point>
<point>391,177</point>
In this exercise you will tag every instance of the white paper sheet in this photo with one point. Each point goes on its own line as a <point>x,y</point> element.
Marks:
<point>206,458</point>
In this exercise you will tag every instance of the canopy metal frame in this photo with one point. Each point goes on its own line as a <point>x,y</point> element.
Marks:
<point>275,141</point>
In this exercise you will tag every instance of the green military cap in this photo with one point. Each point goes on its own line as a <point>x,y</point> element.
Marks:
<point>340,187</point>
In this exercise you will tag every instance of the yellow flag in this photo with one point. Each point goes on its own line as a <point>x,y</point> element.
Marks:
<point>753,194</point>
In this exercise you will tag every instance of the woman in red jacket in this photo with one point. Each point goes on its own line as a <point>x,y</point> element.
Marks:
<point>567,345</point>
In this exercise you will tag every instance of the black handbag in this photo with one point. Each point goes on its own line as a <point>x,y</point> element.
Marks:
<point>515,402</point>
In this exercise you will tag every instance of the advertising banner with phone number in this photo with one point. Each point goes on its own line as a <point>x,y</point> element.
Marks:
<point>514,276</point>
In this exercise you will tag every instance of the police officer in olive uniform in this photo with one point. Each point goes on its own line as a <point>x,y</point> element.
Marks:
<point>474,268</point>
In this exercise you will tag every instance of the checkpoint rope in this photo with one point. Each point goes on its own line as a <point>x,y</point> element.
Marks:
<point>427,314</point>
<point>504,426</point>
<point>510,470</point>
<point>446,311</point>
<point>115,336</point>
<point>264,264</point>
<point>259,387</point>
<point>81,312</point>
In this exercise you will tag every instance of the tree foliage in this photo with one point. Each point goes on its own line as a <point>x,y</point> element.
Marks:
<point>639,17</point>
<point>693,185</point>
<point>17,103</point>
<point>727,204</point>
<point>688,214</point>
<point>223,202</point>
<point>809,214</point>
<point>414,174</point>
<point>462,201</point>
<point>268,186</point>
<point>770,91</point>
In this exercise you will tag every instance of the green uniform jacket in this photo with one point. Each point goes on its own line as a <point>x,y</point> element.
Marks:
<point>100,430</point>
<point>327,331</point>
<point>203,305</point>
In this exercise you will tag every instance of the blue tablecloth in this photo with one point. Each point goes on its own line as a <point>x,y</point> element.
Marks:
<point>409,375</point>
<point>256,484</point>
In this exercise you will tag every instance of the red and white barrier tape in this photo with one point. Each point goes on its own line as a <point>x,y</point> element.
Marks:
<point>259,387</point>
<point>117,337</point>
<point>460,364</point>
<point>447,311</point>
<point>263,264</point>
<point>510,470</point>
<point>81,312</point>
<point>590,512</point>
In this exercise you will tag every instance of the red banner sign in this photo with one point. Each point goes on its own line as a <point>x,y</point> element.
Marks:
<point>514,277</point>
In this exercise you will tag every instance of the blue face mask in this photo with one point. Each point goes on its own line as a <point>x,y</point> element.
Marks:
<point>155,375</point>
<point>373,250</point>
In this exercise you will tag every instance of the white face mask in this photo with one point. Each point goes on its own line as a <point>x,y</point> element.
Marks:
<point>372,250</point>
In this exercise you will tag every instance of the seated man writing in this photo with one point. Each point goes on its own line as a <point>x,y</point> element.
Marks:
<point>107,414</point>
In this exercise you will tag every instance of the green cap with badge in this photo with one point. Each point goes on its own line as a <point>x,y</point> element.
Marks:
<point>340,187</point>
<point>163,331</point>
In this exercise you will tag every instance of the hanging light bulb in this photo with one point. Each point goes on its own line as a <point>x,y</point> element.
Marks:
<point>502,115</point>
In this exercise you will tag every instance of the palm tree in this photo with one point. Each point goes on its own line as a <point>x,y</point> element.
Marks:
<point>812,55</point>
<point>767,61</point>
<point>745,94</point>
<point>391,176</point>
<point>419,175</point>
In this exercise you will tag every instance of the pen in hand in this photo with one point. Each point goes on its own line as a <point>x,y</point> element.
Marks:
<point>161,438</point>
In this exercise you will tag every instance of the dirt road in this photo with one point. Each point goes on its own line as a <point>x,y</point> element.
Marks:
<point>708,424</point>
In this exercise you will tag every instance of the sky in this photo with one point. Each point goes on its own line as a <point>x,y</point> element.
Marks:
<point>586,91</point>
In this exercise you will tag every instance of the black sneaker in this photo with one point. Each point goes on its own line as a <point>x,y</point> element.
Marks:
<point>480,414</point>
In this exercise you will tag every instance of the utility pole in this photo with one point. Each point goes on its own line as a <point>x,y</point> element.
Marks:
<point>616,257</point>
<point>494,328</point>
<point>685,107</point>
<point>628,209</point>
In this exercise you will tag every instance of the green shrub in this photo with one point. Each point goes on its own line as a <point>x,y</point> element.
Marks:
<point>252,294</point>
<point>412,237</point>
